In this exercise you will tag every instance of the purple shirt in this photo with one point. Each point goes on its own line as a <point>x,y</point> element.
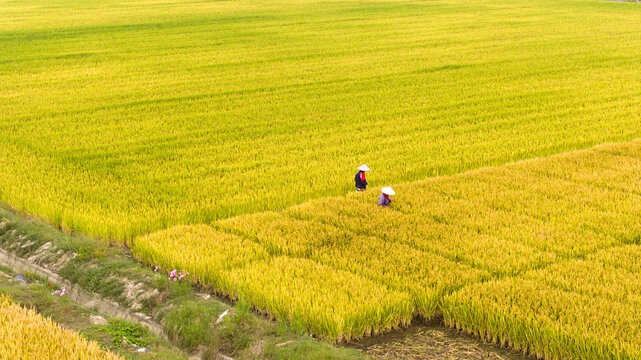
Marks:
<point>384,200</point>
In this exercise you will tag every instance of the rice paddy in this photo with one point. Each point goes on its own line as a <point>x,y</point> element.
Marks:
<point>222,137</point>
<point>516,254</point>
<point>120,118</point>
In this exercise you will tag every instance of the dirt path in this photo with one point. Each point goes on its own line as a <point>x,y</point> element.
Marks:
<point>432,341</point>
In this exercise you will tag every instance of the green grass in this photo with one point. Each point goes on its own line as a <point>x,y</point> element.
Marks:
<point>308,349</point>
<point>120,118</point>
<point>190,323</point>
<point>131,332</point>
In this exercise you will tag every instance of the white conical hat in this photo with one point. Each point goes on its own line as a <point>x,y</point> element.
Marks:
<point>364,168</point>
<point>388,191</point>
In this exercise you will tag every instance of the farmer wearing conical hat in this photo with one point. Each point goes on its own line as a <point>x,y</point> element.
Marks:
<point>384,199</point>
<point>361,183</point>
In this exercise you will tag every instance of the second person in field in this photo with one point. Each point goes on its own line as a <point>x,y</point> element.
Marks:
<point>385,200</point>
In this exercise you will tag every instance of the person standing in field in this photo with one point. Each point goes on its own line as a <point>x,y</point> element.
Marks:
<point>361,183</point>
<point>384,200</point>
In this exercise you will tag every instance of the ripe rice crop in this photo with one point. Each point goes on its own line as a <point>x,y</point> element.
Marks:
<point>220,138</point>
<point>187,242</point>
<point>450,243</point>
<point>423,275</point>
<point>330,303</point>
<point>581,308</point>
<point>122,118</point>
<point>350,306</point>
<point>25,335</point>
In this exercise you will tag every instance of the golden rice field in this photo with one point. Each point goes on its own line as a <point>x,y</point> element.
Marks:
<point>25,335</point>
<point>119,118</point>
<point>541,255</point>
<point>222,137</point>
<point>580,308</point>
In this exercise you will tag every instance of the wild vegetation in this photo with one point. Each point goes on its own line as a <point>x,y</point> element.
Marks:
<point>124,117</point>
<point>26,335</point>
<point>517,254</point>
